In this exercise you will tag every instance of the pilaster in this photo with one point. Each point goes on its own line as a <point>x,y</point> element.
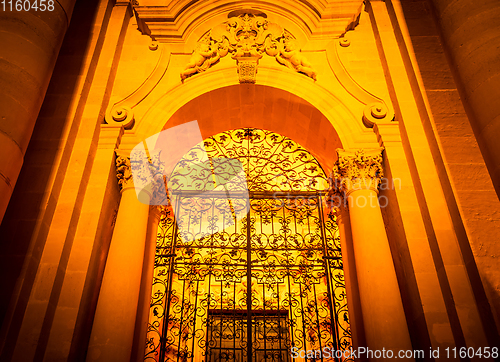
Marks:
<point>115,317</point>
<point>41,296</point>
<point>30,45</point>
<point>358,175</point>
<point>454,280</point>
<point>424,294</point>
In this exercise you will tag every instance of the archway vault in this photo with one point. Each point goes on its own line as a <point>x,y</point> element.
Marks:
<point>266,108</point>
<point>307,113</point>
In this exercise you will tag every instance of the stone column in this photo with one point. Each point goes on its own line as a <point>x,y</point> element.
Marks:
<point>351,281</point>
<point>357,176</point>
<point>471,33</point>
<point>115,318</point>
<point>142,320</point>
<point>30,42</point>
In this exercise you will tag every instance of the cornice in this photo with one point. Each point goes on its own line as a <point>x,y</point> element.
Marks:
<point>173,21</point>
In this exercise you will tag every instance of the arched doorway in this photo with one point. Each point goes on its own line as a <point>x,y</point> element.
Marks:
<point>248,262</point>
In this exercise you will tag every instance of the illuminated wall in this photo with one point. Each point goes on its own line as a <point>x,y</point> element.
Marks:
<point>381,91</point>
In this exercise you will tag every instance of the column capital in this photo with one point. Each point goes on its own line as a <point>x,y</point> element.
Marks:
<point>124,172</point>
<point>357,170</point>
<point>158,212</point>
<point>144,173</point>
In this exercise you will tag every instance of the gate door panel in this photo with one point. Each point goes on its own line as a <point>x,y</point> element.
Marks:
<point>248,265</point>
<point>211,304</point>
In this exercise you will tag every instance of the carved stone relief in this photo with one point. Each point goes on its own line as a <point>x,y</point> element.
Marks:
<point>124,172</point>
<point>145,173</point>
<point>247,37</point>
<point>247,69</point>
<point>291,56</point>
<point>357,170</point>
<point>121,112</point>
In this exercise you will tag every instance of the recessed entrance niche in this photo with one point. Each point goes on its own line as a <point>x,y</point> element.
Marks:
<point>246,268</point>
<point>263,107</point>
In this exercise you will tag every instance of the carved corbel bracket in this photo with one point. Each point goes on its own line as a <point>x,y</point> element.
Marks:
<point>247,68</point>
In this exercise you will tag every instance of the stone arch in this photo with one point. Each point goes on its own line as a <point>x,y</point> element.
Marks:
<point>266,108</point>
<point>281,101</point>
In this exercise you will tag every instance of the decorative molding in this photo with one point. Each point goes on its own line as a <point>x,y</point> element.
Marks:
<point>126,2</point>
<point>376,109</point>
<point>351,131</point>
<point>359,170</point>
<point>121,112</point>
<point>355,19</point>
<point>110,136</point>
<point>247,35</point>
<point>174,21</point>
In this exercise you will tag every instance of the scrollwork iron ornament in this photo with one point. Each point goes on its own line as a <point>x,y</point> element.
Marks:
<point>271,162</point>
<point>257,279</point>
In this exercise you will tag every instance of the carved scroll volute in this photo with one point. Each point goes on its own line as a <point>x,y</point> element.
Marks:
<point>376,112</point>
<point>121,116</point>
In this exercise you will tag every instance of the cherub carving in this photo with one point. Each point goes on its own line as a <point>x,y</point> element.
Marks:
<point>247,35</point>
<point>201,59</point>
<point>291,56</point>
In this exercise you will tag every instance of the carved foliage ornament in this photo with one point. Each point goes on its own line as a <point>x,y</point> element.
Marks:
<point>357,171</point>
<point>144,173</point>
<point>247,37</point>
<point>124,172</point>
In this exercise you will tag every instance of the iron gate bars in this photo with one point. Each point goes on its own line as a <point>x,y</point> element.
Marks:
<point>283,259</point>
<point>263,250</point>
<point>227,329</point>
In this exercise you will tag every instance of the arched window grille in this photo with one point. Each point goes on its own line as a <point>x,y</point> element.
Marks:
<point>248,263</point>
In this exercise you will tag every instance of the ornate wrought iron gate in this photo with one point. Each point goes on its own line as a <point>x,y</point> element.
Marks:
<point>247,279</point>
